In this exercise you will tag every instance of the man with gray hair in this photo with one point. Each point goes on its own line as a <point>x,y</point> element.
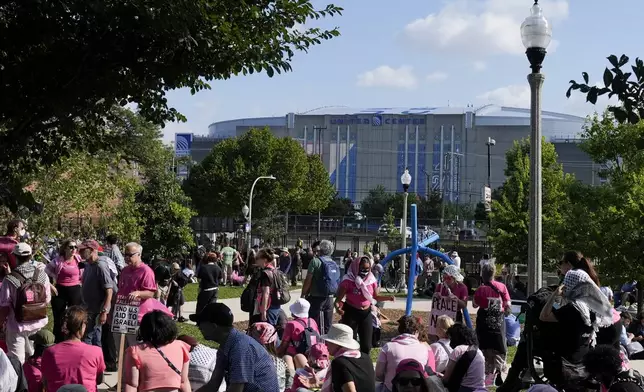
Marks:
<point>325,272</point>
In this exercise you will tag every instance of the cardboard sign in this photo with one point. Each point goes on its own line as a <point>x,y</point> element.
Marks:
<point>126,315</point>
<point>442,305</point>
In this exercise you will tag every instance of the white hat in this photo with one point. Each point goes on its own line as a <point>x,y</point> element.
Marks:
<point>342,335</point>
<point>454,272</point>
<point>300,308</point>
<point>22,249</point>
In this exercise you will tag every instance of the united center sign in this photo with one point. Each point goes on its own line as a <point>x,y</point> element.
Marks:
<point>377,120</point>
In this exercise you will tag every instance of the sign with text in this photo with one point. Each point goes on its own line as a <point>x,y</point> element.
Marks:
<point>126,315</point>
<point>442,305</point>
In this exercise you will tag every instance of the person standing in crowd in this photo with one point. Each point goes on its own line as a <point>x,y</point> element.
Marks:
<point>202,363</point>
<point>402,347</point>
<point>175,296</point>
<point>113,252</point>
<point>360,288</point>
<point>604,362</point>
<point>98,289</point>
<point>493,300</point>
<point>160,362</point>
<point>15,231</point>
<point>351,369</point>
<point>285,261</point>
<point>266,335</point>
<point>314,287</point>
<point>465,371</point>
<point>442,348</point>
<point>72,361</point>
<point>18,327</point>
<point>229,254</point>
<point>244,363</point>
<point>296,265</point>
<point>42,339</point>
<point>456,259</point>
<point>267,308</point>
<point>453,285</point>
<point>209,275</point>
<point>66,273</point>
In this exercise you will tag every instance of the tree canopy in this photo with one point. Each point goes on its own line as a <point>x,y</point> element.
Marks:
<point>221,183</point>
<point>62,80</point>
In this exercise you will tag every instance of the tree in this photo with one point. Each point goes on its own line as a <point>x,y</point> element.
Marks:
<point>339,206</point>
<point>221,183</point>
<point>377,202</point>
<point>480,214</point>
<point>127,52</point>
<point>618,83</point>
<point>509,215</point>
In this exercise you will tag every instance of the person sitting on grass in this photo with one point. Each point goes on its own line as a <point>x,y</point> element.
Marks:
<point>317,366</point>
<point>33,365</point>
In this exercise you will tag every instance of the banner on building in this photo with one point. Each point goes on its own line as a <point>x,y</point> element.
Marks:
<point>486,198</point>
<point>182,144</point>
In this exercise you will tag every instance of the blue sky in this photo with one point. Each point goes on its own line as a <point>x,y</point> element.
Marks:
<point>428,53</point>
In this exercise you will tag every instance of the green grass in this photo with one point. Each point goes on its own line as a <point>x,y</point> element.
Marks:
<point>191,291</point>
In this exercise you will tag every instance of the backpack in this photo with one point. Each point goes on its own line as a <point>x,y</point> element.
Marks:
<point>630,376</point>
<point>181,279</point>
<point>330,278</point>
<point>247,299</point>
<point>308,338</point>
<point>282,286</point>
<point>31,298</point>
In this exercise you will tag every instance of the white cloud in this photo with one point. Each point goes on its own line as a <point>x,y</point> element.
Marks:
<point>479,65</point>
<point>386,76</point>
<point>479,26</point>
<point>436,76</point>
<point>513,95</point>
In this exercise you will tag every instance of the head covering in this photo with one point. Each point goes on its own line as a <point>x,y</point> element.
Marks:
<point>43,338</point>
<point>341,335</point>
<point>216,313</point>
<point>586,297</point>
<point>454,272</point>
<point>353,275</point>
<point>176,266</point>
<point>319,354</point>
<point>89,244</point>
<point>264,333</point>
<point>152,304</point>
<point>22,249</point>
<point>300,308</point>
<point>411,365</point>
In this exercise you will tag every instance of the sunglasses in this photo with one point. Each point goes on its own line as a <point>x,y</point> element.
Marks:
<point>131,254</point>
<point>403,382</point>
<point>72,247</point>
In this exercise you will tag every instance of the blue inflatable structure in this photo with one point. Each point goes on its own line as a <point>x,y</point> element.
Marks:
<point>413,250</point>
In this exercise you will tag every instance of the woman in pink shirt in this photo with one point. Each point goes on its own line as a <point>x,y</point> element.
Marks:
<point>360,288</point>
<point>72,361</point>
<point>292,349</point>
<point>493,300</point>
<point>453,285</point>
<point>404,346</point>
<point>160,362</point>
<point>66,274</point>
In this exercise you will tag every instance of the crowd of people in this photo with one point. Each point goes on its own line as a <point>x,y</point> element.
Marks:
<point>582,340</point>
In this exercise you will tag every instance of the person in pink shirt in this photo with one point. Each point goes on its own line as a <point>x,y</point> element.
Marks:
<point>453,285</point>
<point>66,274</point>
<point>15,231</point>
<point>493,300</point>
<point>161,362</point>
<point>404,346</point>
<point>72,361</point>
<point>291,349</point>
<point>360,288</point>
<point>33,366</point>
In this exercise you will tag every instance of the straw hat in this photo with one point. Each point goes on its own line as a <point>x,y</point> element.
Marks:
<point>342,335</point>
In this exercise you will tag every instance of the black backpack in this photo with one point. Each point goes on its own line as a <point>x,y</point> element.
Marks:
<point>308,338</point>
<point>247,299</point>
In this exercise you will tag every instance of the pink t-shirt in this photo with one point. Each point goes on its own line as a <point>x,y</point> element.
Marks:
<point>136,278</point>
<point>71,362</point>
<point>355,297</point>
<point>484,293</point>
<point>400,348</point>
<point>460,291</point>
<point>33,374</point>
<point>293,333</point>
<point>154,371</point>
<point>69,273</point>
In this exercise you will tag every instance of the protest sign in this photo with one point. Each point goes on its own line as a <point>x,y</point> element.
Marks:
<point>442,305</point>
<point>126,315</point>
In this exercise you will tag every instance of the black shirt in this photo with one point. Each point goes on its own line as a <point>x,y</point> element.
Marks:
<point>359,370</point>
<point>574,335</point>
<point>209,275</point>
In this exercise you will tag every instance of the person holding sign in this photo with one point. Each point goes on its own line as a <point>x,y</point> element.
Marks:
<point>452,286</point>
<point>493,300</point>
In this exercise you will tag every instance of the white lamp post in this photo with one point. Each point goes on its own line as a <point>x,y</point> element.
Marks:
<point>405,179</point>
<point>536,35</point>
<point>248,211</point>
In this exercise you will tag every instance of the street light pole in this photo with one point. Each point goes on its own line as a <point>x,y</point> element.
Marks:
<point>405,179</point>
<point>536,35</point>
<point>490,142</point>
<point>250,213</point>
<point>320,146</point>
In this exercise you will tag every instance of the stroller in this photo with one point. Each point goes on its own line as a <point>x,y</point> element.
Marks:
<point>535,358</point>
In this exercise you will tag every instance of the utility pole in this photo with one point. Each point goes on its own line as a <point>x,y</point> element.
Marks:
<point>320,131</point>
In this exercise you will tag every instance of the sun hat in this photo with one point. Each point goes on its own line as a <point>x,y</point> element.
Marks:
<point>341,335</point>
<point>454,272</point>
<point>22,249</point>
<point>176,266</point>
<point>285,249</point>
<point>43,338</point>
<point>320,354</point>
<point>300,308</point>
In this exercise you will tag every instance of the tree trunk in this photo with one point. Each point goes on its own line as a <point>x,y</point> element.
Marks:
<point>640,297</point>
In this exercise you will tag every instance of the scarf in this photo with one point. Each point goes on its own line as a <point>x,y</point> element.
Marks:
<point>405,339</point>
<point>353,275</point>
<point>343,352</point>
<point>586,297</point>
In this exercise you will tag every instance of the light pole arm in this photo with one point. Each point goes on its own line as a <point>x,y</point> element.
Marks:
<point>250,212</point>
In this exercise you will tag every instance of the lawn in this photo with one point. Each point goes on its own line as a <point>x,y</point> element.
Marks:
<point>191,291</point>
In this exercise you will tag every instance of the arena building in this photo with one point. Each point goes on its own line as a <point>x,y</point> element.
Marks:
<point>445,149</point>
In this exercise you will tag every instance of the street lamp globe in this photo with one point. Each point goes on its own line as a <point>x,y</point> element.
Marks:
<point>245,210</point>
<point>536,34</point>
<point>405,179</point>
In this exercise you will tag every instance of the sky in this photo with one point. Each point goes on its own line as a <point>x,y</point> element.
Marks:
<point>418,53</point>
